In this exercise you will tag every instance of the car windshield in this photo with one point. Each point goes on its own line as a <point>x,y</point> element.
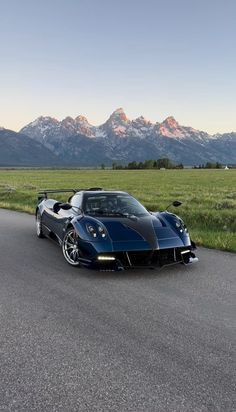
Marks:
<point>112,204</point>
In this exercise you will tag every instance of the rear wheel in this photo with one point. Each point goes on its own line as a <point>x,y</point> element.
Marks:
<point>39,224</point>
<point>70,247</point>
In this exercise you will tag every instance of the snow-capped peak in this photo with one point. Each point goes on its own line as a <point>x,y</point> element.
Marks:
<point>44,119</point>
<point>48,130</point>
<point>117,123</point>
<point>119,115</point>
<point>41,127</point>
<point>81,119</point>
<point>84,127</point>
<point>171,128</point>
<point>171,122</point>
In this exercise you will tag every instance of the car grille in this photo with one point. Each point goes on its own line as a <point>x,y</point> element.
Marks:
<point>149,258</point>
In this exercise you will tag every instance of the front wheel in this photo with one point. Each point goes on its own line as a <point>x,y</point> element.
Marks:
<point>70,247</point>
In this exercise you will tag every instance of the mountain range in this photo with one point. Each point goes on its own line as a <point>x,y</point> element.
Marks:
<point>75,142</point>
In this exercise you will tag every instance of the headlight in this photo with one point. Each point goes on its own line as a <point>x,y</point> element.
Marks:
<point>180,225</point>
<point>101,231</point>
<point>91,230</point>
<point>96,230</point>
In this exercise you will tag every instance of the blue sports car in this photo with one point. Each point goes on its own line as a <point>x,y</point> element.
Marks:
<point>111,230</point>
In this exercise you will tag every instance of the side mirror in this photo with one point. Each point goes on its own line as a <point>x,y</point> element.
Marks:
<point>58,205</point>
<point>65,206</point>
<point>177,203</point>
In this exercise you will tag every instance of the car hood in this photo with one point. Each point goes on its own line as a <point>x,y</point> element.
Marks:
<point>151,231</point>
<point>131,229</point>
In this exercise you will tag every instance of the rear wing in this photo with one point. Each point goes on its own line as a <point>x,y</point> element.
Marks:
<point>43,194</point>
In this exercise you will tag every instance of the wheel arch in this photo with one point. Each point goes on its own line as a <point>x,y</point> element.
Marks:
<point>69,225</point>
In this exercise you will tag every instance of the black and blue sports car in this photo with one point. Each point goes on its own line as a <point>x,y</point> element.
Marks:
<point>111,230</point>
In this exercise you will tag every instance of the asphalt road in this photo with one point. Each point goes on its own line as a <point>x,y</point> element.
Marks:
<point>78,340</point>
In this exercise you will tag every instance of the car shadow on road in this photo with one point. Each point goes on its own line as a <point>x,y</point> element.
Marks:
<point>178,270</point>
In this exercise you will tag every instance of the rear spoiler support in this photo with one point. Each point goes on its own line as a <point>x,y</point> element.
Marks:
<point>43,194</point>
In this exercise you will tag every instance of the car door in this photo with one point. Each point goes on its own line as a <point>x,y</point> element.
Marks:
<point>62,216</point>
<point>54,222</point>
<point>59,222</point>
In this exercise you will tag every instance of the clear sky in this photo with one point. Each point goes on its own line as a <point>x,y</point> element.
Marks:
<point>151,57</point>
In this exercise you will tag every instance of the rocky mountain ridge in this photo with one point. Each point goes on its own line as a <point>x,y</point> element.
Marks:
<point>117,124</point>
<point>76,142</point>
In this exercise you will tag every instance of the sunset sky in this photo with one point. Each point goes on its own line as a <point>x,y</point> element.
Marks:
<point>155,58</point>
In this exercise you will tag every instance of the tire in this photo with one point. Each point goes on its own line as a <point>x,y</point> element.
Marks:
<point>70,247</point>
<point>39,225</point>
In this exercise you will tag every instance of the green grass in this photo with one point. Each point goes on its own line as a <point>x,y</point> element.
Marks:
<point>209,196</point>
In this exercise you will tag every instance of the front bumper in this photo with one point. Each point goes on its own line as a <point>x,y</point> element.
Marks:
<point>115,261</point>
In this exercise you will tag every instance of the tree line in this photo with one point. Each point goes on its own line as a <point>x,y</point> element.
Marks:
<point>163,163</point>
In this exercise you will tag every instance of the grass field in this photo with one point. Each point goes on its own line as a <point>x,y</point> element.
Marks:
<point>209,196</point>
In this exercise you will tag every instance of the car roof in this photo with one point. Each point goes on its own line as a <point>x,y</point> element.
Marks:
<point>102,192</point>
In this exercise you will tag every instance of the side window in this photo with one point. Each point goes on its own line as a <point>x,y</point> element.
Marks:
<point>76,200</point>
